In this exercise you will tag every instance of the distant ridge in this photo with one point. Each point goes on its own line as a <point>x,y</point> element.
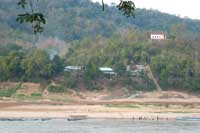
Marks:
<point>75,19</point>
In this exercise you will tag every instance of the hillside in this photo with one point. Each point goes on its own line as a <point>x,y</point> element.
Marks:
<point>72,20</point>
<point>84,35</point>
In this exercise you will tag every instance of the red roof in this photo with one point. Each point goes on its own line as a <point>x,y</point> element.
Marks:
<point>157,32</point>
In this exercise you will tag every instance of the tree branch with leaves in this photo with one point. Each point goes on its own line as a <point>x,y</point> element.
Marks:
<point>37,19</point>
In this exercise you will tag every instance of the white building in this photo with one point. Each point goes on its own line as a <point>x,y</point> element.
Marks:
<point>157,36</point>
<point>107,70</point>
<point>135,70</point>
<point>140,67</point>
<point>73,68</point>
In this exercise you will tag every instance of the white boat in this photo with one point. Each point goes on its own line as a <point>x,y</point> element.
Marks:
<point>188,118</point>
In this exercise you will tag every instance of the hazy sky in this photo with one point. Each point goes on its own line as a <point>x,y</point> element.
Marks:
<point>183,8</point>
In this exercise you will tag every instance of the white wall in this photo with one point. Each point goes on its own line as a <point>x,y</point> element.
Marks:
<point>157,36</point>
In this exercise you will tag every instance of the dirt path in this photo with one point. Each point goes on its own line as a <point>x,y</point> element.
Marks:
<point>151,76</point>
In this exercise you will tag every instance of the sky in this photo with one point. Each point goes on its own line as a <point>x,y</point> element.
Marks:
<point>182,8</point>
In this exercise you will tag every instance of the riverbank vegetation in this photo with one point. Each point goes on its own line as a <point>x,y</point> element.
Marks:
<point>174,62</point>
<point>97,39</point>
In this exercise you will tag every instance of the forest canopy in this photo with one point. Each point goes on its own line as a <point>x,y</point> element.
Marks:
<point>38,19</point>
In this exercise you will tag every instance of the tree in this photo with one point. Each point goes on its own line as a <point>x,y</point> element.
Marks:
<point>3,69</point>
<point>38,20</point>
<point>38,65</point>
<point>91,74</point>
<point>14,64</point>
<point>58,65</point>
<point>10,62</point>
<point>120,68</point>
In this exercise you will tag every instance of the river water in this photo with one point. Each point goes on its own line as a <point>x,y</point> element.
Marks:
<point>97,126</point>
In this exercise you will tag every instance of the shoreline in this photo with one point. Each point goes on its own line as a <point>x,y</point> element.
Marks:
<point>136,112</point>
<point>138,117</point>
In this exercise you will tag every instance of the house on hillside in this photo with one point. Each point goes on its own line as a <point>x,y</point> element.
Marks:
<point>107,70</point>
<point>135,70</point>
<point>73,68</point>
<point>139,67</point>
<point>157,35</point>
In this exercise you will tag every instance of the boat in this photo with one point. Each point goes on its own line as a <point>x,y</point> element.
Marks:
<point>77,117</point>
<point>188,118</point>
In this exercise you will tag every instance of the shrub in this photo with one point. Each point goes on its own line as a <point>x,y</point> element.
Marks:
<point>32,97</point>
<point>56,89</point>
<point>36,94</point>
<point>71,80</point>
<point>20,97</point>
<point>9,92</point>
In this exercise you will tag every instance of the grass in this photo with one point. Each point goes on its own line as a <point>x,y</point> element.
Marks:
<point>134,106</point>
<point>39,96</point>
<point>60,98</point>
<point>56,89</point>
<point>122,106</point>
<point>182,112</point>
<point>32,97</point>
<point>36,94</point>
<point>151,106</point>
<point>10,91</point>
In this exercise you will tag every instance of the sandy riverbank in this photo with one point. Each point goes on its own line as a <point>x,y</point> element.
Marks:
<point>130,111</point>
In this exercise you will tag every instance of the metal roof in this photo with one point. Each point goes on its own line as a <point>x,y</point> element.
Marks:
<point>73,67</point>
<point>108,69</point>
<point>157,32</point>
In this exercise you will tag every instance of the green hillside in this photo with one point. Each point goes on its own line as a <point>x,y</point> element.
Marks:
<point>96,38</point>
<point>75,19</point>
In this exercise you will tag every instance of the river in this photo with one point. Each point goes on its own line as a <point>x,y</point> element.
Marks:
<point>97,126</point>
